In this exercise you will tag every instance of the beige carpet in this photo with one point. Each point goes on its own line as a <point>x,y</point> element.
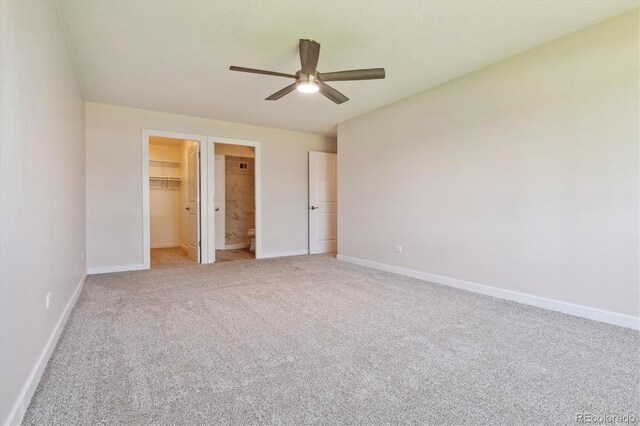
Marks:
<point>310,340</point>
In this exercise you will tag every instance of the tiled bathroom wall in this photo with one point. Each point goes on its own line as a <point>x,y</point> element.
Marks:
<point>239,199</point>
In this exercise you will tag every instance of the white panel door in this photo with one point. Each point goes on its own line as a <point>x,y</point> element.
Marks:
<point>193,185</point>
<point>219,199</point>
<point>323,203</point>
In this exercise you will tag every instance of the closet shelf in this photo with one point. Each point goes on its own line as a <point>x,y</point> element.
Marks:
<point>165,178</point>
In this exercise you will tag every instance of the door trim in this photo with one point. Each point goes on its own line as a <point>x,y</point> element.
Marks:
<point>210,240</point>
<point>146,222</point>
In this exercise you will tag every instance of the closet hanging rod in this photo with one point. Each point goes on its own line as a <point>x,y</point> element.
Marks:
<point>164,161</point>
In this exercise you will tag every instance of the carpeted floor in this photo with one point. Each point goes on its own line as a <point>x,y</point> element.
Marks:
<point>310,340</point>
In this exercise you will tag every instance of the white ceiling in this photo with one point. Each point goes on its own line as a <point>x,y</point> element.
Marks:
<point>173,56</point>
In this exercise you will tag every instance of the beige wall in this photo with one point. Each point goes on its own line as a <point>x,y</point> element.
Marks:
<point>114,189</point>
<point>42,225</point>
<point>235,150</point>
<point>521,176</point>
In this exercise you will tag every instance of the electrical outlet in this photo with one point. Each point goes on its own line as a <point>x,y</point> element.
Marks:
<point>48,300</point>
<point>397,249</point>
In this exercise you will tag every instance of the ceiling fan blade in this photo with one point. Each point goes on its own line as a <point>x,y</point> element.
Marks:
<point>331,93</point>
<point>255,71</point>
<point>280,93</point>
<point>309,53</point>
<point>366,74</point>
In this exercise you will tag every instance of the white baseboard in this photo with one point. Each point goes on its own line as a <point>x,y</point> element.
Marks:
<point>527,299</point>
<point>117,268</point>
<point>283,254</point>
<point>169,245</point>
<point>183,247</point>
<point>236,246</point>
<point>20,407</point>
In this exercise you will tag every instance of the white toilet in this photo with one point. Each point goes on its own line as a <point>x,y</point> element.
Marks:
<point>252,234</point>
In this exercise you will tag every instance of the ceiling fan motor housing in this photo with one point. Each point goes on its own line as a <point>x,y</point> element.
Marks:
<point>306,78</point>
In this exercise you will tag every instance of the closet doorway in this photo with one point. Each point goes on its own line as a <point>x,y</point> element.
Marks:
<point>171,199</point>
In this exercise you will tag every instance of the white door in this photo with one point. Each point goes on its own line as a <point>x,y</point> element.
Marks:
<point>193,185</point>
<point>323,203</point>
<point>219,202</point>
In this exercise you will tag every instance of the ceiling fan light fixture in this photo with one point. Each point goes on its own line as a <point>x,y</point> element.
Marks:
<point>308,87</point>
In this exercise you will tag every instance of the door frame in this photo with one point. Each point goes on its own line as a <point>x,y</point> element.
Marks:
<point>202,163</point>
<point>210,173</point>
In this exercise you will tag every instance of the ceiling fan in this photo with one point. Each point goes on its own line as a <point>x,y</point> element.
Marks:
<point>309,80</point>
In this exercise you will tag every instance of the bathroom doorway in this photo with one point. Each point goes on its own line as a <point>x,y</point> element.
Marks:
<point>234,201</point>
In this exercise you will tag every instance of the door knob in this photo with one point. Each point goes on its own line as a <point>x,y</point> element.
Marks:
<point>217,209</point>
<point>314,207</point>
<point>187,208</point>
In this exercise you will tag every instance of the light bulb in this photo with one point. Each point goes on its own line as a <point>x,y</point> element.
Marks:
<point>308,87</point>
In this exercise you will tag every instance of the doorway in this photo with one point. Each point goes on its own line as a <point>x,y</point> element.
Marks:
<point>173,201</point>
<point>172,211</point>
<point>234,198</point>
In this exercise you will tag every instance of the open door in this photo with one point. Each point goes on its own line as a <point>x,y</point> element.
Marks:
<point>193,185</point>
<point>220,201</point>
<point>323,203</point>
